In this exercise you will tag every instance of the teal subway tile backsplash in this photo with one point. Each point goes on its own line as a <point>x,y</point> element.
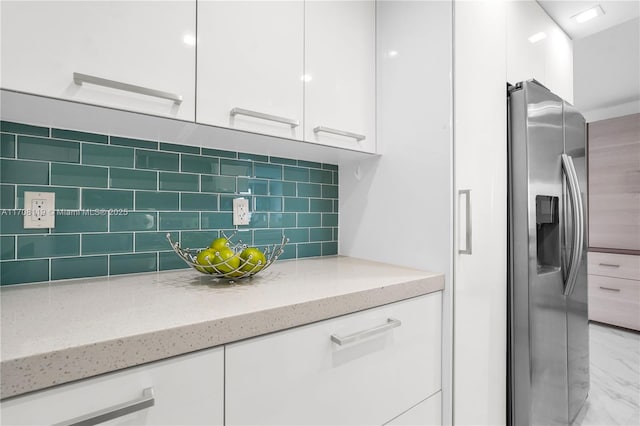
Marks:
<point>117,197</point>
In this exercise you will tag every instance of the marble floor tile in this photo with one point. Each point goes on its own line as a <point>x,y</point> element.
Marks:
<point>614,396</point>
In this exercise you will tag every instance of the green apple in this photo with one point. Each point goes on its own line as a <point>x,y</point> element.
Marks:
<point>225,260</point>
<point>219,243</point>
<point>205,257</point>
<point>253,259</point>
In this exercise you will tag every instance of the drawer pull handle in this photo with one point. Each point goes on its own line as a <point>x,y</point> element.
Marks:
<point>610,265</point>
<point>617,290</point>
<point>118,85</point>
<point>356,136</point>
<point>255,114</point>
<point>147,400</point>
<point>343,340</point>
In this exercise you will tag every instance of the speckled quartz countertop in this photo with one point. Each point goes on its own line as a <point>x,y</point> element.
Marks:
<point>58,332</point>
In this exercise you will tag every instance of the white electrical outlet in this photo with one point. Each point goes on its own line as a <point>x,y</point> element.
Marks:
<point>39,210</point>
<point>241,215</point>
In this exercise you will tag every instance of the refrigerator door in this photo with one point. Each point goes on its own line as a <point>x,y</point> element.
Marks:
<point>576,301</point>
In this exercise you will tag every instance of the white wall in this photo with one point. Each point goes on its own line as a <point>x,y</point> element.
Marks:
<point>607,66</point>
<point>397,208</point>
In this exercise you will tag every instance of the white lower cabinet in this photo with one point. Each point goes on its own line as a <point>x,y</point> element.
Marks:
<point>187,390</point>
<point>428,412</point>
<point>302,376</point>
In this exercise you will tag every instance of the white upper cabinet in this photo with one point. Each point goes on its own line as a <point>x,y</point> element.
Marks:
<point>133,55</point>
<point>250,66</point>
<point>339,73</point>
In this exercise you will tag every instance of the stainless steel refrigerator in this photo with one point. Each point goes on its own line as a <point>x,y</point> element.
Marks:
<point>548,358</point>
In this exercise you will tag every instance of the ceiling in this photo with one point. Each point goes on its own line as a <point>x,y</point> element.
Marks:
<point>615,13</point>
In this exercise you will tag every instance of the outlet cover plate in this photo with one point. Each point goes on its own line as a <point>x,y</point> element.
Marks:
<point>241,211</point>
<point>39,210</point>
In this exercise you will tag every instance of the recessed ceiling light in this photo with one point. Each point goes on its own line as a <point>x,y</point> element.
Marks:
<point>537,37</point>
<point>588,14</point>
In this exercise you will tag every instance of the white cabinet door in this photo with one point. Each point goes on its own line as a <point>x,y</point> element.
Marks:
<point>427,413</point>
<point>250,56</point>
<point>149,45</point>
<point>340,73</point>
<point>188,390</point>
<point>300,376</point>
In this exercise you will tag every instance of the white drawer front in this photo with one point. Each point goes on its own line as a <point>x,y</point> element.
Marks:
<point>188,390</point>
<point>301,377</point>
<point>614,301</point>
<point>614,265</point>
<point>427,413</point>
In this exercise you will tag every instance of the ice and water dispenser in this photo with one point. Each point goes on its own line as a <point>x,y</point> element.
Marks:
<point>547,233</point>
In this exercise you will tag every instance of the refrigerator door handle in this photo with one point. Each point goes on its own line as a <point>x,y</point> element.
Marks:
<point>578,223</point>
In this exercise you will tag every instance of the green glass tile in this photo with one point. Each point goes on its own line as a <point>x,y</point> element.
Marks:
<point>335,234</point>
<point>7,145</point>
<point>268,204</point>
<point>309,190</point>
<point>320,176</point>
<point>329,191</point>
<point>217,183</point>
<point>330,248</point>
<point>154,241</point>
<point>198,202</point>
<point>133,221</point>
<point>197,239</point>
<point>132,179</point>
<point>235,168</point>
<point>33,148</point>
<point>76,175</point>
<point>243,186</point>
<point>107,155</point>
<point>330,167</point>
<point>179,182</point>
<point>269,171</point>
<point>257,186</point>
<point>7,196</point>
<point>80,221</point>
<point>259,220</point>
<point>179,220</point>
<point>25,129</point>
<point>322,206</point>
<point>321,234</point>
<point>309,219</point>
<point>48,246</point>
<point>106,199</point>
<point>297,235</point>
<point>132,263</point>
<point>329,219</point>
<point>217,220</point>
<point>335,178</point>
<point>170,260</point>
<point>226,203</point>
<point>157,160</point>
<point>303,163</point>
<point>282,220</point>
<point>335,206</point>
<point>290,252</point>
<point>79,267</point>
<point>267,236</point>
<point>279,160</point>
<point>252,157</point>
<point>107,243</point>
<point>198,164</point>
<point>135,143</point>
<point>309,250</point>
<point>7,247</point>
<point>12,222</point>
<point>179,148</point>
<point>16,171</point>
<point>157,200</point>
<point>241,236</point>
<point>287,189</point>
<point>79,136</point>
<point>297,174</point>
<point>296,204</point>
<point>66,198</point>
<point>24,271</point>
<point>219,153</point>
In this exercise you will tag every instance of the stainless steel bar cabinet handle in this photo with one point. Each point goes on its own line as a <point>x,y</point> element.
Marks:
<point>344,340</point>
<point>147,400</point>
<point>79,79</point>
<point>356,136</point>
<point>610,265</point>
<point>468,236</point>
<point>255,114</point>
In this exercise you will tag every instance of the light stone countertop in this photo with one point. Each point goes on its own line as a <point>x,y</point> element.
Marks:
<point>53,333</point>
